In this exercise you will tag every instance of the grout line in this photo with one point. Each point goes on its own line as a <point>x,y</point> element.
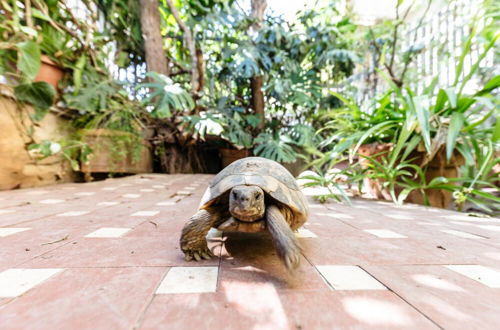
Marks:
<point>142,314</point>
<point>402,298</point>
<point>318,272</point>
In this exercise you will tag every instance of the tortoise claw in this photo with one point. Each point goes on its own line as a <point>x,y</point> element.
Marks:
<point>197,256</point>
<point>197,253</point>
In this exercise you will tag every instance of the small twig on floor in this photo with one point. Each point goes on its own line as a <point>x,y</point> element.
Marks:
<point>154,223</point>
<point>59,240</point>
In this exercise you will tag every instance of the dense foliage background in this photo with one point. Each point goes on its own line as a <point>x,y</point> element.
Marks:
<point>194,75</point>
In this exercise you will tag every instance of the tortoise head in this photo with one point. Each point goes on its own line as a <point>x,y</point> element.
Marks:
<point>246,203</point>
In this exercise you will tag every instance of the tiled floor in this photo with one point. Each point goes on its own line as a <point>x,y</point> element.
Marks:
<point>105,255</point>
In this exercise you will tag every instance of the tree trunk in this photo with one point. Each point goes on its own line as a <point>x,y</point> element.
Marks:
<point>258,9</point>
<point>156,58</point>
<point>190,44</point>
<point>258,100</point>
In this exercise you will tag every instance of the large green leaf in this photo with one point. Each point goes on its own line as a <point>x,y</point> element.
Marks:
<point>456,123</point>
<point>494,83</point>
<point>452,97</point>
<point>496,131</point>
<point>440,101</point>
<point>40,94</point>
<point>422,112</point>
<point>28,58</point>
<point>167,96</point>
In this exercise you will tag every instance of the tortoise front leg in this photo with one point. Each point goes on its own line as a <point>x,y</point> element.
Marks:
<point>284,240</point>
<point>193,242</point>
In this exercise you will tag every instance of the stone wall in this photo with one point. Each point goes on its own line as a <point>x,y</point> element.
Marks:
<point>19,168</point>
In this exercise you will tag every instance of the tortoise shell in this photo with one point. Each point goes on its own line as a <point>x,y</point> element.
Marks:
<point>269,175</point>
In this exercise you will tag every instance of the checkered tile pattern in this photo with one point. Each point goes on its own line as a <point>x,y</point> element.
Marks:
<point>105,255</point>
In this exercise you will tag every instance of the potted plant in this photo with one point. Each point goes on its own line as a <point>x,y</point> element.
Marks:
<point>111,125</point>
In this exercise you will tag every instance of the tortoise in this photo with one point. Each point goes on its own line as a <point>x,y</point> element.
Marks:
<point>252,195</point>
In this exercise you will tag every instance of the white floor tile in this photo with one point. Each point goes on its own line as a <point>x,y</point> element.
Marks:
<point>462,223</point>
<point>399,216</point>
<point>125,185</point>
<point>461,234</point>
<point>109,188</point>
<point>10,231</point>
<point>341,216</point>
<point>131,195</point>
<point>484,275</point>
<point>72,213</point>
<point>158,186</point>
<point>460,217</point>
<point>108,232</point>
<point>189,280</point>
<point>343,277</point>
<point>7,211</point>
<point>147,190</point>
<point>37,192</point>
<point>85,193</point>
<point>490,227</point>
<point>384,233</point>
<point>305,233</point>
<point>145,213</point>
<point>184,192</point>
<point>107,203</point>
<point>15,282</point>
<point>190,188</point>
<point>333,215</point>
<point>429,223</point>
<point>166,203</point>
<point>51,201</point>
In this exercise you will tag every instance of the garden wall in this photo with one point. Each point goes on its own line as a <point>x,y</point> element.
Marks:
<point>18,167</point>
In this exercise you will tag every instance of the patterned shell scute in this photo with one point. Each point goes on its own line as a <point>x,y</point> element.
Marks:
<point>257,166</point>
<point>272,177</point>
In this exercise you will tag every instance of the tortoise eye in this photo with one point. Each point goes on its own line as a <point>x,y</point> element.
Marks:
<point>235,195</point>
<point>258,196</point>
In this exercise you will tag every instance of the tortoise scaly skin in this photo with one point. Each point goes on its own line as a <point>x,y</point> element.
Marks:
<point>250,195</point>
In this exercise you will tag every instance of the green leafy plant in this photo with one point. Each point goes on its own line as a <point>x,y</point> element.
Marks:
<point>168,97</point>
<point>418,128</point>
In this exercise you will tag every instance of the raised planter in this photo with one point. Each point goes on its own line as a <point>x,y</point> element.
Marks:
<point>19,168</point>
<point>230,155</point>
<point>49,72</point>
<point>437,167</point>
<point>116,152</point>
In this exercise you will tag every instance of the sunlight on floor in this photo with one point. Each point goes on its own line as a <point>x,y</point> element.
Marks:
<point>376,312</point>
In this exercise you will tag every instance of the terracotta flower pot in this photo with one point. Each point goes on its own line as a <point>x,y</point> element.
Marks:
<point>49,72</point>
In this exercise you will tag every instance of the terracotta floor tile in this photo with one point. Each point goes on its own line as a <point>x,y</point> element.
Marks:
<point>110,282</point>
<point>111,298</point>
<point>266,308</point>
<point>450,299</point>
<point>251,260</point>
<point>119,252</point>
